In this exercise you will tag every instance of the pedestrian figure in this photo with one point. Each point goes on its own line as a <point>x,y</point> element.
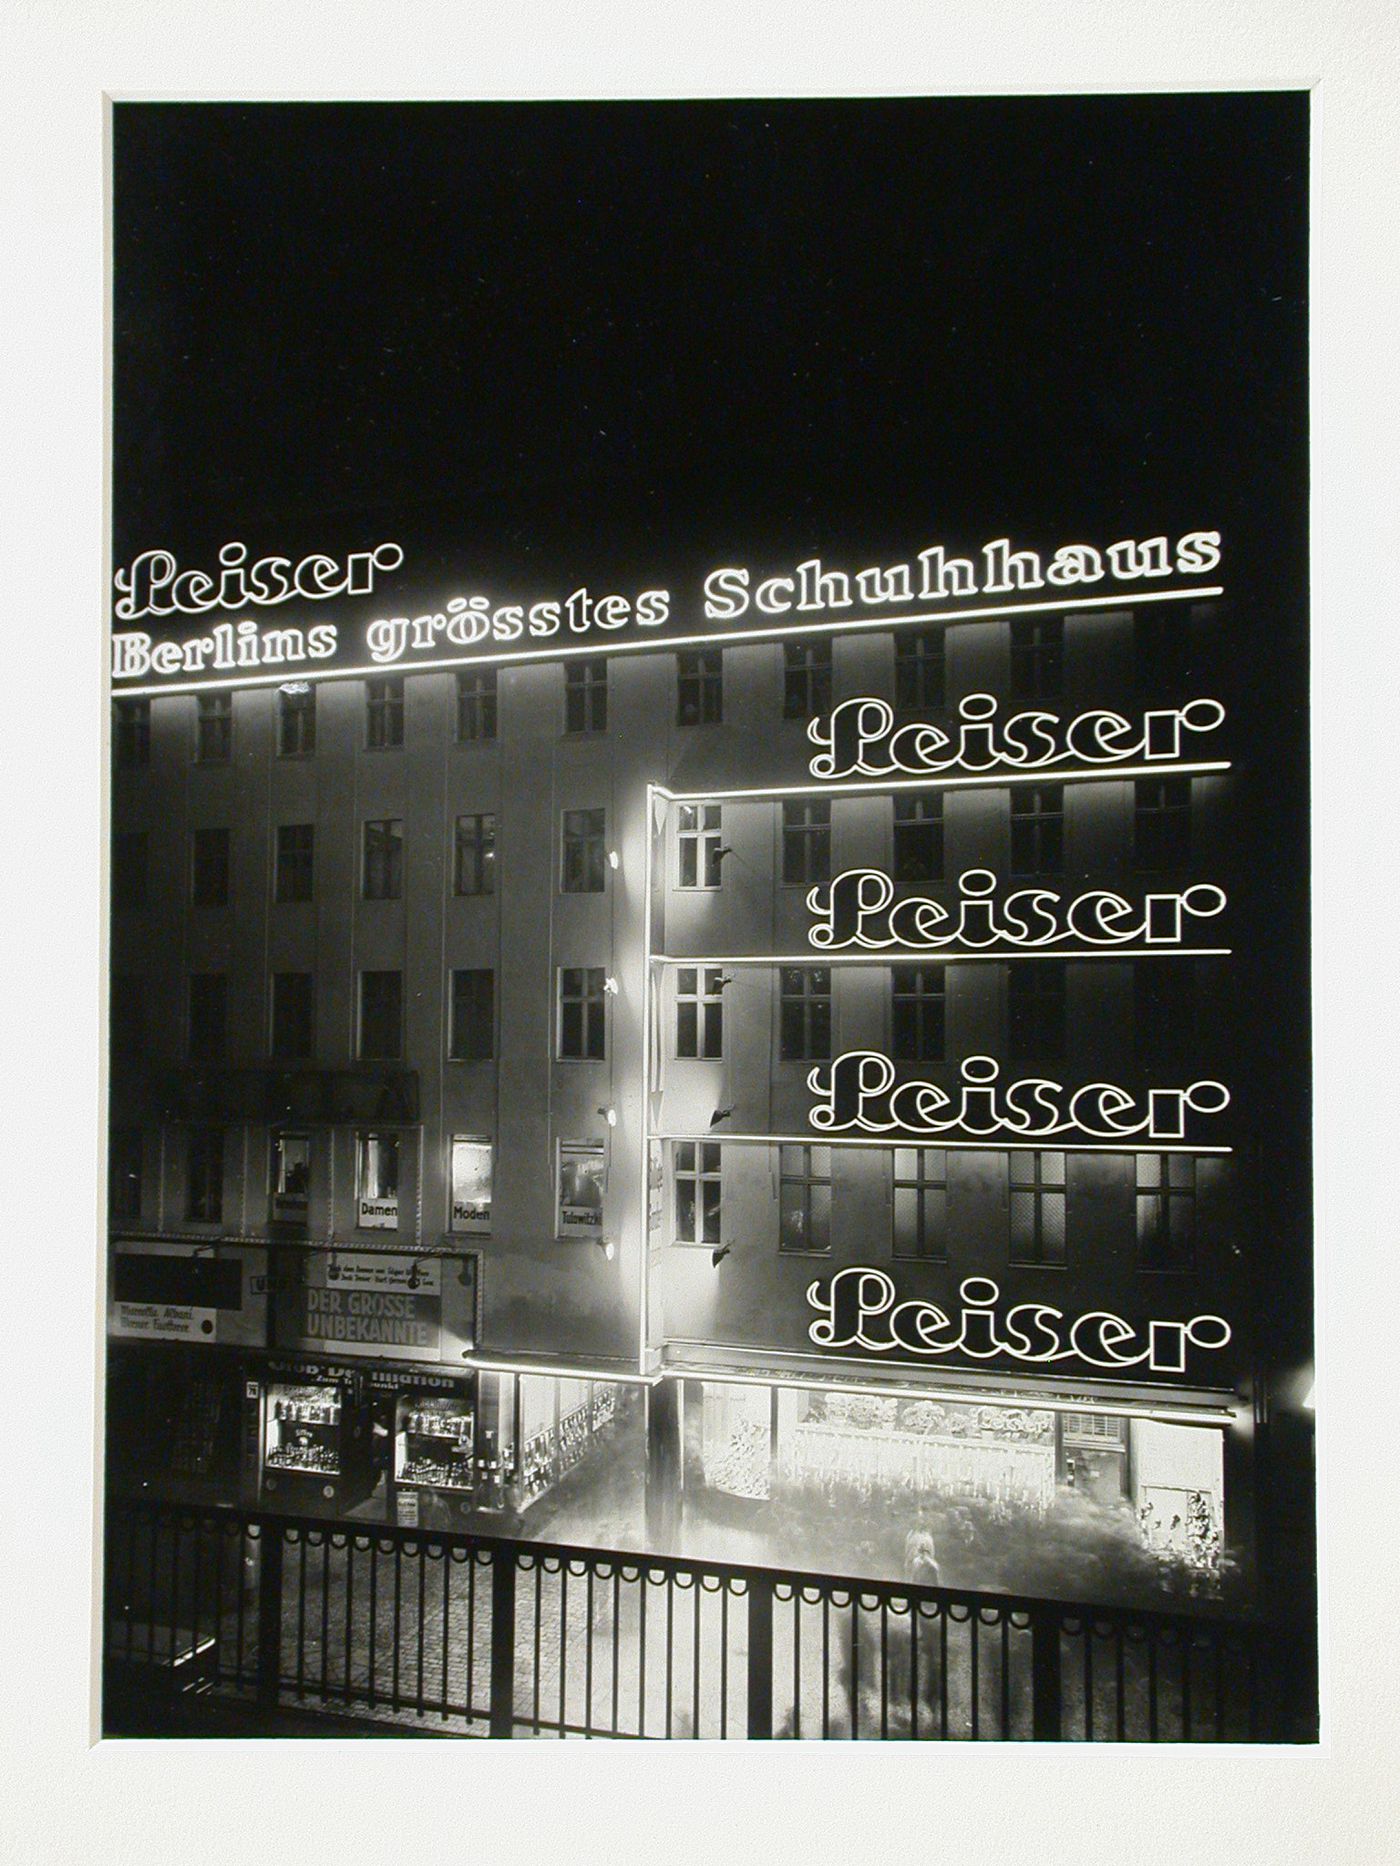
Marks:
<point>920,1555</point>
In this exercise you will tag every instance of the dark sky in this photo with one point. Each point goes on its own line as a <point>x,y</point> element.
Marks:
<point>556,339</point>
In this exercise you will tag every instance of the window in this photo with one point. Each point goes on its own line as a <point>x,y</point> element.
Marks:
<point>699,1011</point>
<point>471,1182</point>
<point>377,1180</point>
<point>918,669</point>
<point>921,1203</point>
<point>208,1021</point>
<point>804,1198</point>
<point>1036,1010</point>
<point>918,999</point>
<point>700,688</point>
<point>805,1013</point>
<point>381,1016</point>
<point>210,867</point>
<point>586,696</point>
<point>1161,824</point>
<point>806,843</point>
<point>128,1014</point>
<point>1038,829</point>
<point>130,859</point>
<point>1164,1010</point>
<point>1162,649</point>
<point>296,721</point>
<point>697,1192</point>
<point>584,858</point>
<point>582,1013</point>
<point>806,679</point>
<point>296,843</point>
<point>918,839</point>
<point>1166,1211</point>
<point>583,1178</point>
<point>213,732</point>
<point>1038,1208</point>
<point>291,1177</point>
<point>698,838</point>
<point>384,713</point>
<point>293,1008</point>
<point>382,874</point>
<point>132,738</point>
<point>472,1036</point>
<point>124,1168</point>
<point>476,703</point>
<point>204,1176</point>
<point>1037,658</point>
<point>474,864</point>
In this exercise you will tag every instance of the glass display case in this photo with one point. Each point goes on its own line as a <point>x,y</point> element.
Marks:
<point>316,1442</point>
<point>303,1429</point>
<point>435,1442</point>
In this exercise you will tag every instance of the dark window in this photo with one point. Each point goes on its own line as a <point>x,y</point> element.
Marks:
<point>1038,1207</point>
<point>921,1202</point>
<point>1036,1010</point>
<point>918,839</point>
<point>133,732</point>
<point>1162,650</point>
<point>804,1198</point>
<point>805,1013</point>
<point>699,1011</point>
<point>208,1028</point>
<point>384,713</point>
<point>1038,829</point>
<point>293,1008</point>
<point>806,843</point>
<point>586,696</point>
<point>918,669</point>
<point>700,688</point>
<point>124,1163</point>
<point>806,679</point>
<point>918,1000</point>
<point>1161,824</point>
<point>209,876</point>
<point>585,858</point>
<point>698,842</point>
<point>204,1181</point>
<point>473,1025</point>
<point>383,863</point>
<point>130,859</point>
<point>296,844</point>
<point>1166,1211</point>
<point>474,865</point>
<point>296,721</point>
<point>476,703</point>
<point>381,1016</point>
<point>582,1013</point>
<point>697,1191</point>
<point>213,735</point>
<point>1164,1011</point>
<point>1037,658</point>
<point>128,1014</point>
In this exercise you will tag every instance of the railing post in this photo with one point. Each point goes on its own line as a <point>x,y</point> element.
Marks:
<point>760,1596</point>
<point>1045,1675</point>
<point>269,1612</point>
<point>502,1702</point>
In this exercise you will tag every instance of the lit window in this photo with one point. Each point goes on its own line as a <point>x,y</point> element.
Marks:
<point>806,843</point>
<point>697,1191</point>
<point>291,1177</point>
<point>474,866</point>
<point>1166,1211</point>
<point>586,696</point>
<point>1038,1208</point>
<point>804,1198</point>
<point>472,1036</point>
<point>699,1011</point>
<point>582,1184</point>
<point>471,1182</point>
<point>384,713</point>
<point>806,679</point>
<point>582,1013</point>
<point>584,861</point>
<point>377,1181</point>
<point>476,703</point>
<point>213,738</point>
<point>700,688</point>
<point>698,841</point>
<point>804,1013</point>
<point>383,860</point>
<point>921,1203</point>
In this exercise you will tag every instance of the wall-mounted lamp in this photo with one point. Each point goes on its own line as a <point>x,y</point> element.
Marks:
<point>725,978</point>
<point>609,1115</point>
<point>614,859</point>
<point>717,1257</point>
<point>295,686</point>
<point>608,1248</point>
<point>610,986</point>
<point>720,1114</point>
<point>721,853</point>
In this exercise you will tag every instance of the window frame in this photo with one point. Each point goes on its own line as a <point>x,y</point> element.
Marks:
<point>1164,823</point>
<point>805,825</point>
<point>585,695</point>
<point>131,732</point>
<point>809,998</point>
<point>593,1152</point>
<point>457,1030</point>
<point>926,1186</point>
<point>586,849</point>
<point>1037,1010</point>
<point>204,1173</point>
<point>920,653</point>
<point>1037,658</point>
<point>381,858</point>
<point>705,1168</point>
<point>701,841</point>
<point>213,728</point>
<point>1039,809</point>
<point>910,986</point>
<point>702,671</point>
<point>481,843</point>
<point>807,669</point>
<point>705,996</point>
<point>474,1226</point>
<point>301,865</point>
<point>365,1139</point>
<point>296,723</point>
<point>1177,1258</point>
<point>807,1181</point>
<point>477,699</point>
<point>589,1002</point>
<point>378,1055</point>
<point>384,713</point>
<point>1027,1178</point>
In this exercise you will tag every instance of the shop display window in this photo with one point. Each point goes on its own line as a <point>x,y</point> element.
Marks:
<point>303,1429</point>
<point>377,1182</point>
<point>434,1442</point>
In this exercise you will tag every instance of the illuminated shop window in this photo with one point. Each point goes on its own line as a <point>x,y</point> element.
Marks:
<point>698,842</point>
<point>127,1013</point>
<point>1166,1211</point>
<point>699,1011</point>
<point>804,1030</point>
<point>1037,658</point>
<point>697,1191</point>
<point>377,1181</point>
<point>1035,998</point>
<point>582,1013</point>
<point>804,1198</point>
<point>208,1016</point>
<point>296,844</point>
<point>474,861</point>
<point>132,736</point>
<point>582,1183</point>
<point>918,1000</point>
<point>806,843</point>
<point>296,722</point>
<point>1165,1022</point>
<point>472,1027</point>
<point>291,1177</point>
<point>476,703</point>
<point>700,688</point>
<point>293,1010</point>
<point>382,870</point>
<point>213,731</point>
<point>1038,1208</point>
<point>124,1165</point>
<point>586,696</point>
<point>384,713</point>
<point>806,679</point>
<point>130,861</point>
<point>209,867</point>
<point>381,1016</point>
<point>919,669</point>
<point>1161,824</point>
<point>1038,829</point>
<point>471,1182</point>
<point>921,1203</point>
<point>918,839</point>
<point>584,858</point>
<point>204,1175</point>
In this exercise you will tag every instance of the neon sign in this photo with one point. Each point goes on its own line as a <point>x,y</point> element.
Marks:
<point>858,1310</point>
